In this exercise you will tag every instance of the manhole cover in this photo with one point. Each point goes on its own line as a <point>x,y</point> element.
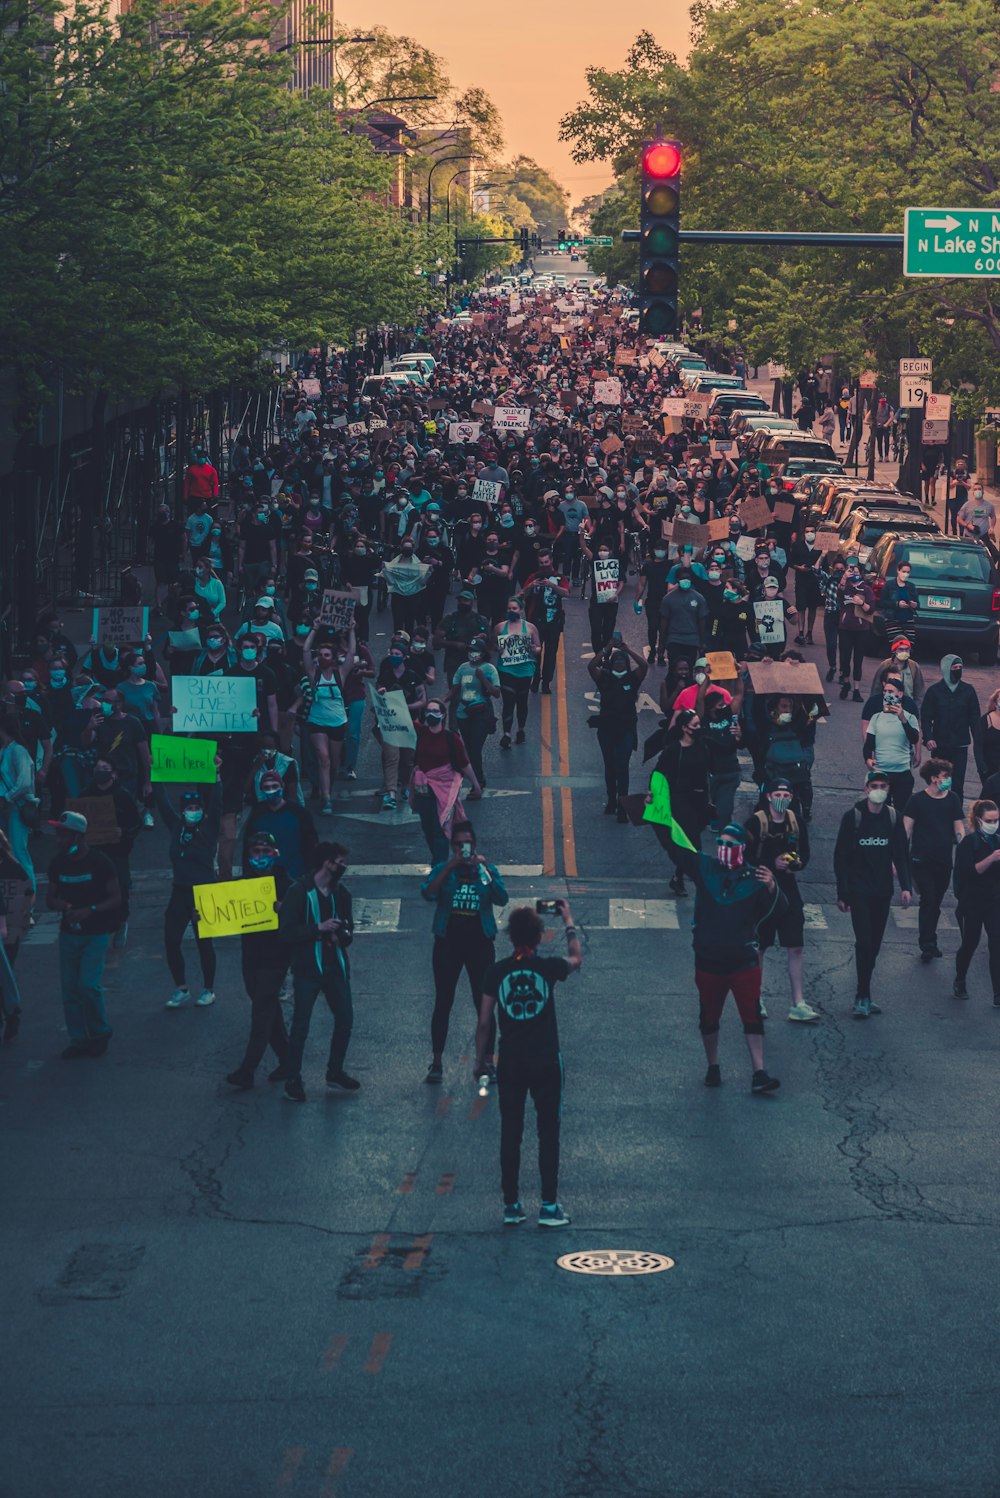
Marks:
<point>615,1261</point>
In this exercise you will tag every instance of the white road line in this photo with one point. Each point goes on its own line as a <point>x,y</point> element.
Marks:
<point>646,915</point>
<point>907,920</point>
<point>815,920</point>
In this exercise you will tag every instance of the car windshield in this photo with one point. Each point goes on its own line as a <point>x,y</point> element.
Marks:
<point>933,564</point>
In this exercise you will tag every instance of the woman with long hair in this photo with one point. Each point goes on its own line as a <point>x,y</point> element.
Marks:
<point>977,890</point>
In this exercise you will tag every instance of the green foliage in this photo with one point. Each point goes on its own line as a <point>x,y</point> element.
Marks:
<point>834,114</point>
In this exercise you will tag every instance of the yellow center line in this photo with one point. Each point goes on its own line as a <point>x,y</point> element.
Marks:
<point>568,839</point>
<point>548,809</point>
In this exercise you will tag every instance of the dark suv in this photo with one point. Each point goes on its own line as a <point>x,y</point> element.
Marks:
<point>958,591</point>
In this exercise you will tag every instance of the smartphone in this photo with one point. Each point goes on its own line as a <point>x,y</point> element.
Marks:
<point>465,850</point>
<point>617,637</point>
<point>546,907</point>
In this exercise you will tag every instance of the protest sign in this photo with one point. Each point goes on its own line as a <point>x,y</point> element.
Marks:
<point>119,626</point>
<point>608,392</point>
<point>632,423</point>
<point>607,576</point>
<point>745,547</point>
<point>357,428</point>
<point>770,618</point>
<point>718,530</point>
<point>184,639</point>
<point>464,431</point>
<point>392,718</point>
<point>568,399</point>
<point>338,422</point>
<point>102,820</point>
<point>611,445</point>
<point>721,449</point>
<point>624,357</point>
<point>482,408</point>
<point>672,406</point>
<point>16,894</point>
<point>337,608</point>
<point>722,664</point>
<point>487,491</point>
<point>214,704</point>
<point>515,650</point>
<point>755,514</point>
<point>405,578</point>
<point>179,761</point>
<point>690,533</point>
<point>512,418</point>
<point>478,319</point>
<point>236,906</point>
<point>694,410</point>
<point>438,405</point>
<point>311,389</point>
<point>784,510</point>
<point>826,541</point>
<point>785,678</point>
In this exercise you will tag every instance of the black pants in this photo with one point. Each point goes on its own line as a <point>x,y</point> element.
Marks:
<point>959,761</point>
<point>336,989</point>
<point>970,924</point>
<point>465,946</point>
<point>544,1080</point>
<point>475,729</point>
<point>900,789</point>
<point>868,917</point>
<point>267,1023</point>
<point>515,693</point>
<point>617,744</point>
<point>545,667</point>
<point>603,620</point>
<point>178,915</point>
<point>951,509</point>
<point>932,880</point>
<point>409,611</point>
<point>852,650</point>
<point>830,634</point>
<point>654,624</point>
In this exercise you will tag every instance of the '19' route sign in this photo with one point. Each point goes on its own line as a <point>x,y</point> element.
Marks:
<point>951,242</point>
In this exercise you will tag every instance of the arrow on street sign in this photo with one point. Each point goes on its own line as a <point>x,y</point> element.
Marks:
<point>951,242</point>
<point>947,223</point>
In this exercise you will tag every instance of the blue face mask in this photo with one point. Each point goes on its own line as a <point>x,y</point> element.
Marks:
<point>302,630</point>
<point>58,679</point>
<point>260,862</point>
<point>139,669</point>
<point>193,817</point>
<point>271,796</point>
<point>684,583</point>
<point>107,708</point>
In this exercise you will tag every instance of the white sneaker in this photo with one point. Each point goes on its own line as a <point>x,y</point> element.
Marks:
<point>804,1013</point>
<point>206,997</point>
<point>763,1009</point>
<point>178,999</point>
<point>147,819</point>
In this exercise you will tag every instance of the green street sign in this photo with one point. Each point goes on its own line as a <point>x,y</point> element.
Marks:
<point>602,239</point>
<point>951,242</point>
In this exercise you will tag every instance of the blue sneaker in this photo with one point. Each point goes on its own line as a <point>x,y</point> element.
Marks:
<point>551,1215</point>
<point>513,1213</point>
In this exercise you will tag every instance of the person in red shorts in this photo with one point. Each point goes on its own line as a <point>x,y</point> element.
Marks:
<point>732,900</point>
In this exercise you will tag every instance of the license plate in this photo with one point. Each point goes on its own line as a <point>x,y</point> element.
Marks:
<point>935,601</point>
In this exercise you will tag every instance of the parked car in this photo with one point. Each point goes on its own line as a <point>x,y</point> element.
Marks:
<point>726,401</point>
<point>776,448</point>
<point>864,526</point>
<point>829,508</point>
<point>376,385</point>
<point>797,468</point>
<point>958,591</point>
<point>743,424</point>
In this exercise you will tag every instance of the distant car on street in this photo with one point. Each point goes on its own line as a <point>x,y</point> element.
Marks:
<point>958,591</point>
<point>865,526</point>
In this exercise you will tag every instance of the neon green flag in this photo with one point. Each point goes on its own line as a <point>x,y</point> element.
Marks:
<point>659,812</point>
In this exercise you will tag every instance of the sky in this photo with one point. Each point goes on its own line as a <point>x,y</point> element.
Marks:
<point>531,59</point>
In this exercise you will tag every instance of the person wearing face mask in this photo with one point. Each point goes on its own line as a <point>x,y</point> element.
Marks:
<point>683,763</point>
<point>457,630</point>
<point>465,889</point>
<point>263,621</point>
<point>395,675</point>
<point>103,664</point>
<point>406,578</point>
<point>545,593</point>
<point>120,738</point>
<point>264,959</point>
<point>901,664</point>
<point>771,616</point>
<point>805,561</point>
<point>494,573</point>
<point>209,588</point>
<point>892,743</point>
<point>977,517</point>
<point>140,696</point>
<point>856,608</point>
<point>790,745</point>
<point>441,560</point>
<point>618,673</point>
<point>475,689</point>
<point>897,603</point>
<point>650,590</point>
<point>421,657</point>
<point>733,900</point>
<point>518,648</point>
<point>316,921</point>
<point>932,819</point>
<point>684,616</point>
<point>977,889</point>
<point>259,534</point>
<point>830,578</point>
<point>360,567</point>
<point>84,890</point>
<point>289,825</point>
<point>779,842</point>
<point>951,719</point>
<point>606,584</point>
<point>870,852</point>
<point>321,709</point>
<point>572,512</point>
<point>194,843</point>
<point>129,822</point>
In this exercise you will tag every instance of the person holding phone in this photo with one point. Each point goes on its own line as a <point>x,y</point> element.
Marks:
<point>465,888</point>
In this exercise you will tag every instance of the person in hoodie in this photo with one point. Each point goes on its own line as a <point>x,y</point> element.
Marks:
<point>951,720</point>
<point>871,851</point>
<point>194,846</point>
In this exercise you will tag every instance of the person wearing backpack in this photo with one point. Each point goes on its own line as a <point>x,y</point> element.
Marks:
<point>871,851</point>
<point>778,841</point>
<point>520,989</point>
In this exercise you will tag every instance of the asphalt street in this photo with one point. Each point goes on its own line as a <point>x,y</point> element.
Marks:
<point>221,1293</point>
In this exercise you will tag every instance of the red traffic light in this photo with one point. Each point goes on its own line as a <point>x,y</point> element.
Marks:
<point>661,159</point>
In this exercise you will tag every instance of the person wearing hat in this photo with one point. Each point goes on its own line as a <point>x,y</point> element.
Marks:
<point>871,852</point>
<point>83,887</point>
<point>771,613</point>
<point>289,825</point>
<point>901,663</point>
<point>776,839</point>
<point>264,959</point>
<point>194,843</point>
<point>263,621</point>
<point>856,609</point>
<point>733,900</point>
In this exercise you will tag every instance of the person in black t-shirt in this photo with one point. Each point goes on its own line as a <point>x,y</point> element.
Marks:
<point>932,820</point>
<point>520,990</point>
<point>83,886</point>
<point>265,956</point>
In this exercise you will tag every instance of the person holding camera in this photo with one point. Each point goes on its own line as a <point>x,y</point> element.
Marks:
<point>520,991</point>
<point>465,888</point>
<point>778,841</point>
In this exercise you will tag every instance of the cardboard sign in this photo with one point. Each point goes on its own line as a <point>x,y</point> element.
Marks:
<point>624,357</point>
<point>770,618</point>
<point>694,410</point>
<point>487,491</point>
<point>393,719</point>
<point>718,530</point>
<point>102,822</point>
<point>755,514</point>
<point>784,510</point>
<point>236,906</point>
<point>672,406</point>
<point>482,408</point>
<point>337,608</point>
<point>177,761</point>
<point>17,899</point>
<point>827,540</point>
<point>632,424</point>
<point>512,418</point>
<point>722,664</point>
<point>785,679</point>
<point>437,405</point>
<point>120,626</point>
<point>464,431</point>
<point>607,576</point>
<point>745,547</point>
<point>608,392</point>
<point>721,449</point>
<point>691,533</point>
<point>515,650</point>
<point>611,445</point>
<point>214,704</point>
<point>311,389</point>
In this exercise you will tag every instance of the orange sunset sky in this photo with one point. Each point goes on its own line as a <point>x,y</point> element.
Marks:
<point>531,59</point>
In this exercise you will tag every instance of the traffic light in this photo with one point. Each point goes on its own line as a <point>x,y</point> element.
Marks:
<point>659,237</point>
<point>524,241</point>
<point>562,238</point>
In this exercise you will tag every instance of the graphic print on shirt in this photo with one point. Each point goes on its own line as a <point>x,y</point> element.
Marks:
<point>523,994</point>
<point>465,900</point>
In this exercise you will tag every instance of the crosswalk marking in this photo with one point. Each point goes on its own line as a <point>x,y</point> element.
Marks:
<point>649,915</point>
<point>907,920</point>
<point>815,920</point>
<point>376,915</point>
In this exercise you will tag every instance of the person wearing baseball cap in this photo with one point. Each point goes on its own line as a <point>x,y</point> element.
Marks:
<point>870,854</point>
<point>779,840</point>
<point>83,887</point>
<point>902,664</point>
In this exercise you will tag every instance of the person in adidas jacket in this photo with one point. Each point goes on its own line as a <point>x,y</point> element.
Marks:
<point>871,850</point>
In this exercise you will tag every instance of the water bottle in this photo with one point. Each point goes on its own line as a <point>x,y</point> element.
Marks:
<point>484,1085</point>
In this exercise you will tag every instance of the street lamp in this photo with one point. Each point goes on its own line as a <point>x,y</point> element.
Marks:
<point>464,156</point>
